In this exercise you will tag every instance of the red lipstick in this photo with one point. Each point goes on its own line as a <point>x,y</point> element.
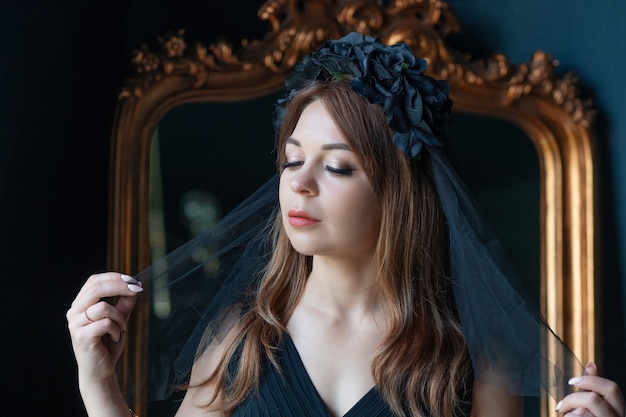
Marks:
<point>300,218</point>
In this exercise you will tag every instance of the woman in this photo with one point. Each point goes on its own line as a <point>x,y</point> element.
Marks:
<point>366,305</point>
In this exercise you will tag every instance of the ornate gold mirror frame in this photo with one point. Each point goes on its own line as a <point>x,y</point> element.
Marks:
<point>530,95</point>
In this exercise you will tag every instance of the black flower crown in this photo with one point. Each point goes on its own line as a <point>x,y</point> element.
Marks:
<point>416,106</point>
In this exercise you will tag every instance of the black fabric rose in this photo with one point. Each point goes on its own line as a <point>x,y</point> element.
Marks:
<point>416,106</point>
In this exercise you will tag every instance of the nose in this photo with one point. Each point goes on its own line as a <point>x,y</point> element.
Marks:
<point>304,181</point>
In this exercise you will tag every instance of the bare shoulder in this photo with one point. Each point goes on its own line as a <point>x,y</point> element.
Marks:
<point>490,400</point>
<point>200,393</point>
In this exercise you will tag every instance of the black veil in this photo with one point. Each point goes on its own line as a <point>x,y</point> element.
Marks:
<point>509,342</point>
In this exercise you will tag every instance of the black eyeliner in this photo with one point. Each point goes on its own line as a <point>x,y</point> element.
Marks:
<point>340,171</point>
<point>286,165</point>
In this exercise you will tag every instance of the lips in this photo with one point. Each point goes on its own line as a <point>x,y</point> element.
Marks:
<point>300,218</point>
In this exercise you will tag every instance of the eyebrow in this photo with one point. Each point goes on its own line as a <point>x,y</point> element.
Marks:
<point>325,147</point>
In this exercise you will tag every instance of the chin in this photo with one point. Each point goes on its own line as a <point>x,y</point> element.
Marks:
<point>308,247</point>
<point>304,250</point>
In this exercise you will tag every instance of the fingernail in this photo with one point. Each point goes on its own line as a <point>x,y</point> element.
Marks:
<point>576,380</point>
<point>559,405</point>
<point>129,279</point>
<point>135,288</point>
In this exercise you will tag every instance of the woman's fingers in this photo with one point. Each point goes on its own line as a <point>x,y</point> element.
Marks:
<point>97,321</point>
<point>601,390</point>
<point>580,412</point>
<point>597,396</point>
<point>106,286</point>
<point>587,403</point>
<point>91,310</point>
<point>103,311</point>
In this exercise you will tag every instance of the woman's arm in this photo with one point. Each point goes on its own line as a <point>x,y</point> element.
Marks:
<point>200,392</point>
<point>97,330</point>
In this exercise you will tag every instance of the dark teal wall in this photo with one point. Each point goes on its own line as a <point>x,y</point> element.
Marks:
<point>589,39</point>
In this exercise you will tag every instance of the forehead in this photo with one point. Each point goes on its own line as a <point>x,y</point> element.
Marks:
<point>316,125</point>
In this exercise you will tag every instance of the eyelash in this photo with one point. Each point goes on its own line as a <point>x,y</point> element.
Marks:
<point>293,164</point>
<point>332,170</point>
<point>340,171</point>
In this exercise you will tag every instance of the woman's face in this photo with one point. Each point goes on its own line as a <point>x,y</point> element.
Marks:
<point>327,202</point>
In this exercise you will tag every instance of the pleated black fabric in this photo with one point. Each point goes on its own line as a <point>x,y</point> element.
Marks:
<point>292,393</point>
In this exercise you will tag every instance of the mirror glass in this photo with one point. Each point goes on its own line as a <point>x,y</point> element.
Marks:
<point>500,165</point>
<point>202,159</point>
<point>207,157</point>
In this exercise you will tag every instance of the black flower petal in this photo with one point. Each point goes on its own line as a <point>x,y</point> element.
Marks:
<point>416,106</point>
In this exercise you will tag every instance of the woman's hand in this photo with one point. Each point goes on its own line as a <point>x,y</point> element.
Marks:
<point>597,397</point>
<point>97,327</point>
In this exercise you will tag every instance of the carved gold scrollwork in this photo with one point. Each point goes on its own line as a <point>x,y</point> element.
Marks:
<point>300,26</point>
<point>531,95</point>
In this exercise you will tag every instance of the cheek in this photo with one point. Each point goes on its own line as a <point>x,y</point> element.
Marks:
<point>373,220</point>
<point>365,214</point>
<point>374,213</point>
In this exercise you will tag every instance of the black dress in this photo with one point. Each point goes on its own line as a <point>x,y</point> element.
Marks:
<point>292,393</point>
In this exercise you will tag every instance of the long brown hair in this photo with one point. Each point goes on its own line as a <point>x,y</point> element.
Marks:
<point>422,364</point>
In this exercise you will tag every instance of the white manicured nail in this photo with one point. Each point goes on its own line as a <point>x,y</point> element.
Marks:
<point>576,380</point>
<point>559,405</point>
<point>135,288</point>
<point>129,279</point>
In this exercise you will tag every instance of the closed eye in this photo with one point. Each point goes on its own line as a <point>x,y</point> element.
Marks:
<point>292,164</point>
<point>340,171</point>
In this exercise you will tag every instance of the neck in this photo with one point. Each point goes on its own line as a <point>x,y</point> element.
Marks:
<point>343,290</point>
